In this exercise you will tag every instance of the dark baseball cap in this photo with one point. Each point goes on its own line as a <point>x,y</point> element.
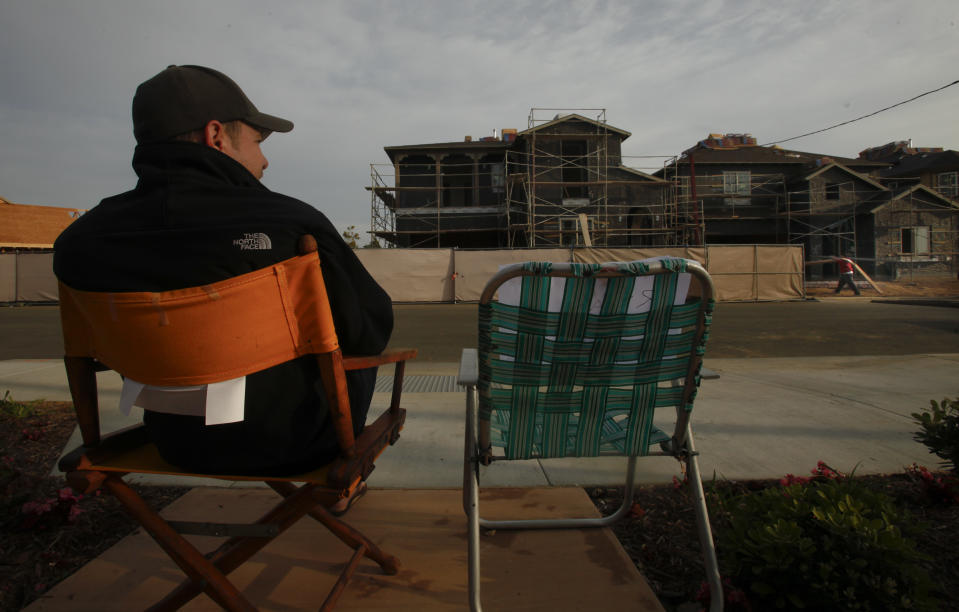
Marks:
<point>185,98</point>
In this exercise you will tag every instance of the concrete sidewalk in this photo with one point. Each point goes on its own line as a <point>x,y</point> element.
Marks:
<point>762,419</point>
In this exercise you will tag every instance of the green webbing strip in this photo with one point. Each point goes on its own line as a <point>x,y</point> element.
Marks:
<point>616,399</point>
<point>520,438</point>
<point>641,411</point>
<point>555,430</point>
<point>516,319</point>
<point>601,350</point>
<point>591,422</point>
<point>575,310</point>
<point>535,293</point>
<point>657,321</point>
<point>609,375</point>
<point>618,291</point>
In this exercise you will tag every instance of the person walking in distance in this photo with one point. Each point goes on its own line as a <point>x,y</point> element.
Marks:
<point>846,273</point>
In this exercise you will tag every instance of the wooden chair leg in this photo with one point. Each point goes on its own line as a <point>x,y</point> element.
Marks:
<point>298,501</point>
<point>343,579</point>
<point>346,533</point>
<point>235,551</point>
<point>199,569</point>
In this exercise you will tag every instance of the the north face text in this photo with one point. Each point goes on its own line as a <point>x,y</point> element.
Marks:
<point>254,242</point>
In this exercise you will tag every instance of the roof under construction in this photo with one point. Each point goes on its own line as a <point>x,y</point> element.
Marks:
<point>29,226</point>
<point>754,154</point>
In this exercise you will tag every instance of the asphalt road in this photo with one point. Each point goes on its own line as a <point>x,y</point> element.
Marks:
<point>845,326</point>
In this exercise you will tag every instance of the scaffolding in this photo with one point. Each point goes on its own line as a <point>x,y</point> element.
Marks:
<point>556,179</point>
<point>382,206</point>
<point>568,187</point>
<point>438,214</point>
<point>824,220</point>
<point>827,227</point>
<point>907,238</point>
<point>756,200</point>
<point>689,191</point>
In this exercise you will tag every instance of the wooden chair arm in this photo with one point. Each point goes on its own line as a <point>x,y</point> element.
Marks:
<point>358,458</point>
<point>360,362</point>
<point>371,442</point>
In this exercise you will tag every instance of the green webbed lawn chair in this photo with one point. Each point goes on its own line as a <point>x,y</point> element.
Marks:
<point>577,367</point>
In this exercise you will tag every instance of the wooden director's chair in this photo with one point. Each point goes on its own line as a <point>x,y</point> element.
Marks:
<point>208,334</point>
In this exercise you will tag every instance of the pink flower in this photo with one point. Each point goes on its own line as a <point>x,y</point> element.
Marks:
<point>66,495</point>
<point>823,470</point>
<point>73,513</point>
<point>790,479</point>
<point>38,508</point>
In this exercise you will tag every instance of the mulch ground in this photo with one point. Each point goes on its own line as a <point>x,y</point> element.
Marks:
<point>60,532</point>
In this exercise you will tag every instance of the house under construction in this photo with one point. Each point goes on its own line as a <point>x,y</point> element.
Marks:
<point>833,206</point>
<point>562,182</point>
<point>559,182</point>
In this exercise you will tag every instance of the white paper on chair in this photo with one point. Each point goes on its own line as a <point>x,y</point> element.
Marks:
<point>218,403</point>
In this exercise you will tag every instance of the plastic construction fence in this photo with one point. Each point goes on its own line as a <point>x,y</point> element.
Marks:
<point>741,273</point>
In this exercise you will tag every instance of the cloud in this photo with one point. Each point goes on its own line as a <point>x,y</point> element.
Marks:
<point>357,76</point>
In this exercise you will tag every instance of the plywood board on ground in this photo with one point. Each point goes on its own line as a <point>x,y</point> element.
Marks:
<point>544,570</point>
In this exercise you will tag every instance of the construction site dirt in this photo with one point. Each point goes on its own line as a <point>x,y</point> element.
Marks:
<point>822,325</point>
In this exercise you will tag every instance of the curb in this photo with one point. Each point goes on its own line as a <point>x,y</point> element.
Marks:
<point>948,303</point>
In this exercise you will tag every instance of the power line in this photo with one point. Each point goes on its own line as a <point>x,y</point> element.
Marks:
<point>864,116</point>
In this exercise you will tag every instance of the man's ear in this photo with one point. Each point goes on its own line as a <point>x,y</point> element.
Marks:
<point>213,134</point>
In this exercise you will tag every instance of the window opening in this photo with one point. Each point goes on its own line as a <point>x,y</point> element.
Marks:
<point>915,240</point>
<point>457,181</point>
<point>947,183</point>
<point>574,168</point>
<point>736,183</point>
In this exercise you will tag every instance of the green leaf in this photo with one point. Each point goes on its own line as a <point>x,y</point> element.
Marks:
<point>795,600</point>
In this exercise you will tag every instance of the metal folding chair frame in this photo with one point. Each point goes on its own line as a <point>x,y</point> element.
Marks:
<point>477,451</point>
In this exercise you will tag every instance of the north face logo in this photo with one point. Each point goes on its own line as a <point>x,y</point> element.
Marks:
<point>254,242</point>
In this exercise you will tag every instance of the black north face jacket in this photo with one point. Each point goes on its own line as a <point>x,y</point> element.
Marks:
<point>195,217</point>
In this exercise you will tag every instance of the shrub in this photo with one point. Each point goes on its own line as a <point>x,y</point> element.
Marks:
<point>14,409</point>
<point>940,430</point>
<point>828,543</point>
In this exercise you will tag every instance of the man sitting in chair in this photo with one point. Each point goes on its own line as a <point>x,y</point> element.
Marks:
<point>198,215</point>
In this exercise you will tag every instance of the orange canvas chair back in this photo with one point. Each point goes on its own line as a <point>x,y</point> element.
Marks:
<point>204,334</point>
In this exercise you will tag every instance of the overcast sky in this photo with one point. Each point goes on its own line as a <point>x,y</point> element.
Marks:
<point>357,76</point>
